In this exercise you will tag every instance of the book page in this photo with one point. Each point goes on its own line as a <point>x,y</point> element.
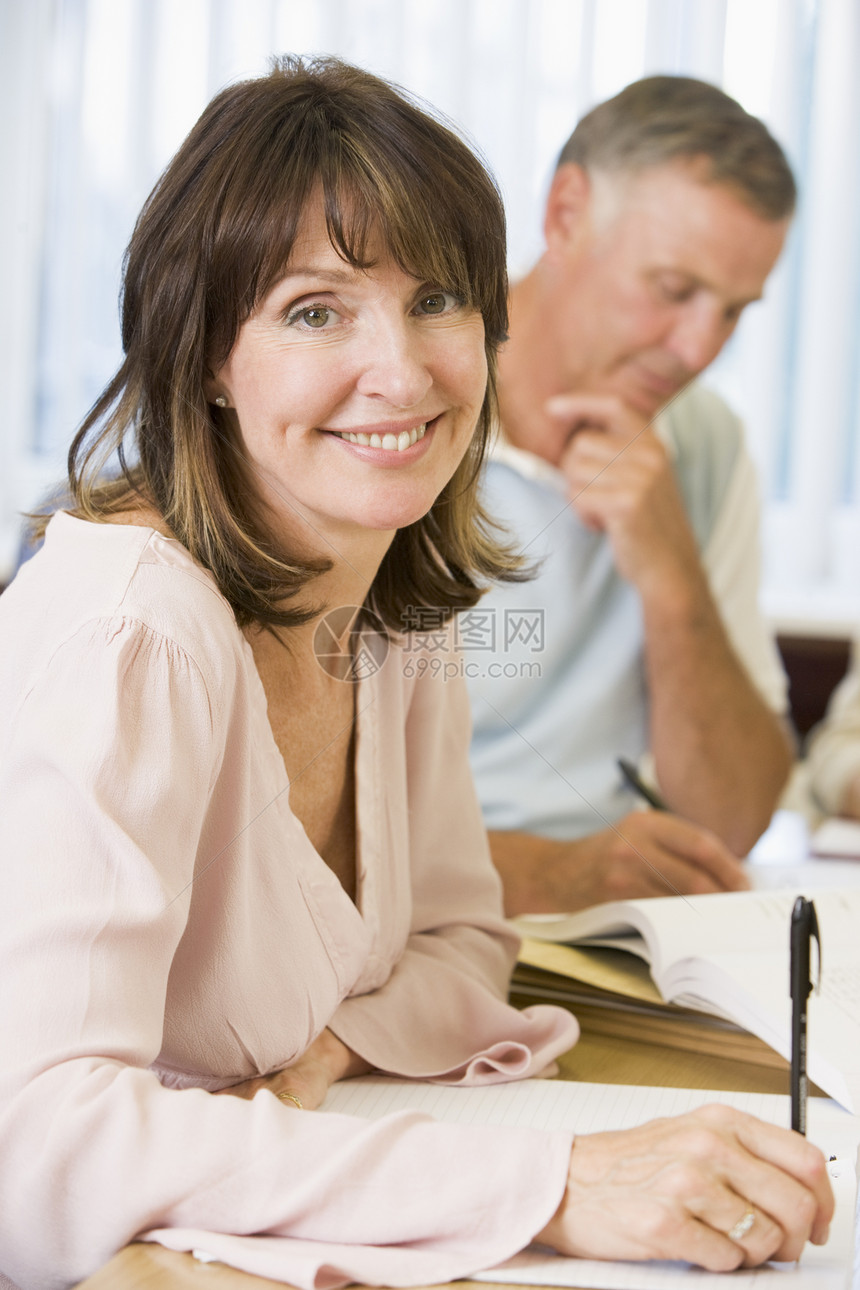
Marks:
<point>560,1104</point>
<point>729,954</point>
<point>605,970</point>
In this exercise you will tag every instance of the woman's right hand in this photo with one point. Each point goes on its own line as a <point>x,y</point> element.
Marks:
<point>675,1188</point>
<point>307,1080</point>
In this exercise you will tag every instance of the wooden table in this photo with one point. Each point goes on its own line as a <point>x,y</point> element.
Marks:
<point>595,1058</point>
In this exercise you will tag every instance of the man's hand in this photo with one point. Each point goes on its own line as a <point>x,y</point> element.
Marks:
<point>622,483</point>
<point>311,1076</point>
<point>647,853</point>
<point>722,755</point>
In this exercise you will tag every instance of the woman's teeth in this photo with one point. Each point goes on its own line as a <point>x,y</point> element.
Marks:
<point>390,442</point>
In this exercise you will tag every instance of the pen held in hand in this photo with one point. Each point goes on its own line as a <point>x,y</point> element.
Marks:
<point>634,780</point>
<point>804,927</point>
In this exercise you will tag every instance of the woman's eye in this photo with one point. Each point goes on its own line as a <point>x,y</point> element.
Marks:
<point>437,302</point>
<point>316,316</point>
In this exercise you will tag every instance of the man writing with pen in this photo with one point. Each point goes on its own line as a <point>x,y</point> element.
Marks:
<point>629,486</point>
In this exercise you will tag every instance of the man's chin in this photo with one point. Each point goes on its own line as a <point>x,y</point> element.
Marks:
<point>650,397</point>
<point>644,405</point>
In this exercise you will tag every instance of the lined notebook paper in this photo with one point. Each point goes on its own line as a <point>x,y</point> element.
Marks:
<point>558,1104</point>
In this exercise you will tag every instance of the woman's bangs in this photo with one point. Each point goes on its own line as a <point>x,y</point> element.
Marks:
<point>370,207</point>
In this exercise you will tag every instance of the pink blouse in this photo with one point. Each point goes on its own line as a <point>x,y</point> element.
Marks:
<point>166,929</point>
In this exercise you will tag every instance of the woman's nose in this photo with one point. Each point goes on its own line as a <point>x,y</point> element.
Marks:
<point>395,366</point>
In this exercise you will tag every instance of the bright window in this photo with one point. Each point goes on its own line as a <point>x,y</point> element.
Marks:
<point>98,93</point>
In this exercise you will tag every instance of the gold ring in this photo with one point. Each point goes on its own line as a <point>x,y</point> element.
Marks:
<point>742,1226</point>
<point>289,1097</point>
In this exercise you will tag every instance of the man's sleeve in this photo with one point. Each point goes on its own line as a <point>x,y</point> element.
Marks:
<point>732,562</point>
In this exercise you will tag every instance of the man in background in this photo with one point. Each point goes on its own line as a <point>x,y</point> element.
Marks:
<point>629,485</point>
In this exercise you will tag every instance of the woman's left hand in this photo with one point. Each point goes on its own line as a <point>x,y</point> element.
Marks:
<point>309,1078</point>
<point>715,1187</point>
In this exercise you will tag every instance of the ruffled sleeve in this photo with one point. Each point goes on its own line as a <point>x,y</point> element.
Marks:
<point>442,1014</point>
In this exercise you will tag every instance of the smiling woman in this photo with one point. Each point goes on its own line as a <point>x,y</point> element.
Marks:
<point>260,235</point>
<point>236,870</point>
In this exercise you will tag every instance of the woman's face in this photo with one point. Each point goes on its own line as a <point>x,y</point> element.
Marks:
<point>356,392</point>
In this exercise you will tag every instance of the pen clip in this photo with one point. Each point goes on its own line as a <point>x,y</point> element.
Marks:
<point>814,935</point>
<point>804,929</point>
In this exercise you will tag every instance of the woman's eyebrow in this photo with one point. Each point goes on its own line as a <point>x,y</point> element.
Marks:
<point>313,271</point>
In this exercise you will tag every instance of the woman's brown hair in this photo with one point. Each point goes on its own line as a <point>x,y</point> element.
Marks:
<point>213,238</point>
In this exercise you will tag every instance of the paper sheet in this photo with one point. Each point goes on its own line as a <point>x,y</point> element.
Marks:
<point>836,837</point>
<point>557,1104</point>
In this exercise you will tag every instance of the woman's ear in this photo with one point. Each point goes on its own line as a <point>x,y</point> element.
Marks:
<point>215,393</point>
<point>568,207</point>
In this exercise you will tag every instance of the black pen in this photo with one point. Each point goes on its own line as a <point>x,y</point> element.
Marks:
<point>804,926</point>
<point>635,781</point>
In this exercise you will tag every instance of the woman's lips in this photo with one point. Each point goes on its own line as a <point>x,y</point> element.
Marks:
<point>388,442</point>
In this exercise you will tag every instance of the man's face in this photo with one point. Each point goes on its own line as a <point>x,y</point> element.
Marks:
<point>648,278</point>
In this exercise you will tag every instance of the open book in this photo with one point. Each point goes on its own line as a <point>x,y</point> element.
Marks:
<point>728,955</point>
<point>613,995</point>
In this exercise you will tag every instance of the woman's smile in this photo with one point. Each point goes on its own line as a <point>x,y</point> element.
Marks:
<point>388,439</point>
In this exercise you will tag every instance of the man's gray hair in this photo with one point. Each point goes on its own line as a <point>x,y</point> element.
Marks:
<point>666,118</point>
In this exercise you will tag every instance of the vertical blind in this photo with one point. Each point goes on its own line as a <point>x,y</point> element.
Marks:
<point>97,94</point>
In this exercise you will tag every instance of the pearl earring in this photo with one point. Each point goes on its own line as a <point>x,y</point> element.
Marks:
<point>221,401</point>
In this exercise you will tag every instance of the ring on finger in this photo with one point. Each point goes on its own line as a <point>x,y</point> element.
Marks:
<point>284,1096</point>
<point>743,1225</point>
